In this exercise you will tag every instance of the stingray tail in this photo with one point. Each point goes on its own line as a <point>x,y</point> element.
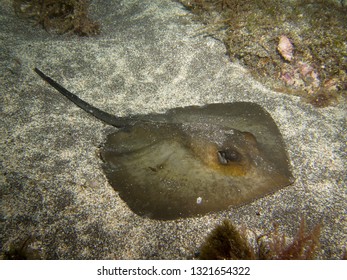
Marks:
<point>101,115</point>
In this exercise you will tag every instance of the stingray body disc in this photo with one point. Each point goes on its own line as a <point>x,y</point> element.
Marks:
<point>191,160</point>
<point>196,162</point>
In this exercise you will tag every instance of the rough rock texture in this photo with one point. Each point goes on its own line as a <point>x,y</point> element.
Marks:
<point>55,200</point>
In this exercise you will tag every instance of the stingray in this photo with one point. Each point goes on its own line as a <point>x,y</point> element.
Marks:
<point>191,160</point>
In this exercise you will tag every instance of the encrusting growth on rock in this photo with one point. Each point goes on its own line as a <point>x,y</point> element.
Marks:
<point>296,47</point>
<point>61,16</point>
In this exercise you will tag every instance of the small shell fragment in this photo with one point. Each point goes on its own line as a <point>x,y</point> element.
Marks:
<point>285,48</point>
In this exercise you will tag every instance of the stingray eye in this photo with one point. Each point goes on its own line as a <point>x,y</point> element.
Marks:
<point>228,156</point>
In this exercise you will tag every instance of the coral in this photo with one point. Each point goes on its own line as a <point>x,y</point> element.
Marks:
<point>262,35</point>
<point>225,242</point>
<point>61,16</point>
